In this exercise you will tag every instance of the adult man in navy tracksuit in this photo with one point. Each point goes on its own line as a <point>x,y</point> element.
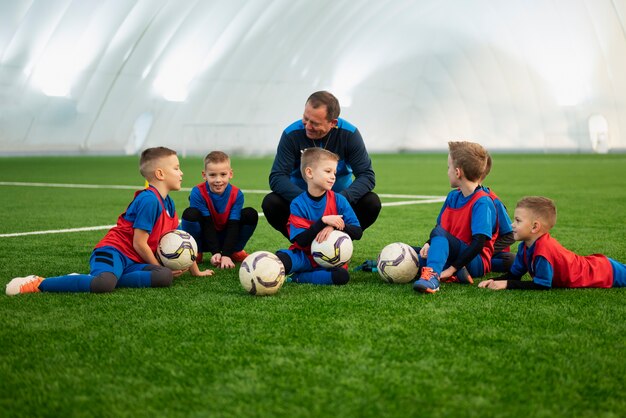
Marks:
<point>321,127</point>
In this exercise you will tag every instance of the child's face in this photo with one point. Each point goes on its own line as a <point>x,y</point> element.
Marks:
<point>172,174</point>
<point>453,173</point>
<point>218,176</point>
<point>322,175</point>
<point>523,224</point>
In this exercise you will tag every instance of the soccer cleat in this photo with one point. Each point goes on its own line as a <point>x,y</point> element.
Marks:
<point>462,276</point>
<point>428,282</point>
<point>239,256</point>
<point>28,284</point>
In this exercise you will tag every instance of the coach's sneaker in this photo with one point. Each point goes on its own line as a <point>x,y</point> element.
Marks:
<point>239,256</point>
<point>428,281</point>
<point>461,276</point>
<point>28,284</point>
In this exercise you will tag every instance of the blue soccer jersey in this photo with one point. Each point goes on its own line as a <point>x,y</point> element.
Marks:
<point>220,202</point>
<point>306,208</point>
<point>483,219</point>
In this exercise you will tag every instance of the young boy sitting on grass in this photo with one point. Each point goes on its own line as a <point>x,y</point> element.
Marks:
<point>502,258</point>
<point>314,214</point>
<point>546,260</point>
<point>125,256</point>
<point>216,217</point>
<point>466,226</point>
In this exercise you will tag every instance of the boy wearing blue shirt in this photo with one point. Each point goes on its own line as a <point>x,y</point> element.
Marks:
<point>502,258</point>
<point>216,217</point>
<point>125,256</point>
<point>546,260</point>
<point>314,214</point>
<point>466,226</point>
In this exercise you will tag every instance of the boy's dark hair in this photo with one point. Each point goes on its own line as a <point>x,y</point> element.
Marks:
<point>542,207</point>
<point>311,156</point>
<point>324,98</point>
<point>214,157</point>
<point>469,157</point>
<point>149,156</point>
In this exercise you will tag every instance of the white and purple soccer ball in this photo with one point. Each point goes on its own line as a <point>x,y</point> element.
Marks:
<point>397,263</point>
<point>177,250</point>
<point>335,251</point>
<point>262,273</point>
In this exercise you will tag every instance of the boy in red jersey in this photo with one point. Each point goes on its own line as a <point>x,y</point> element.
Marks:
<point>548,262</point>
<point>466,226</point>
<point>125,256</point>
<point>216,217</point>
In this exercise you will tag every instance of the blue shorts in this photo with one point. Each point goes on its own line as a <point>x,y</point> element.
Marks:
<point>110,259</point>
<point>300,261</point>
<point>619,273</point>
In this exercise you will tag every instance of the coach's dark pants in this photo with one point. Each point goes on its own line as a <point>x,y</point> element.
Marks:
<point>276,210</point>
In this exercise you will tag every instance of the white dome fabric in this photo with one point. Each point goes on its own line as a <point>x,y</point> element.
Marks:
<point>88,76</point>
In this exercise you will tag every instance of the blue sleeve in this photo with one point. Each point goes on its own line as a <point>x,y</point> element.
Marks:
<point>483,217</point>
<point>235,211</point>
<point>359,160</point>
<point>543,272</point>
<point>197,201</point>
<point>504,221</point>
<point>298,210</point>
<point>519,268</point>
<point>286,155</point>
<point>344,208</point>
<point>144,211</point>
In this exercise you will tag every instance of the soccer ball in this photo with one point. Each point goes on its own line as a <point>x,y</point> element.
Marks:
<point>397,263</point>
<point>335,251</point>
<point>262,273</point>
<point>177,250</point>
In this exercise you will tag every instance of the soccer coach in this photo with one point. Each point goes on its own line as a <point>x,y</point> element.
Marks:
<point>321,127</point>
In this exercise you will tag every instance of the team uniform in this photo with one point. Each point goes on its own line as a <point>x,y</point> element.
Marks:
<point>306,212</point>
<point>115,252</point>
<point>231,225</point>
<point>552,265</point>
<point>502,257</point>
<point>460,219</point>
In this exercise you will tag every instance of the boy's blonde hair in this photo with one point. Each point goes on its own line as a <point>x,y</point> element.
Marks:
<point>311,156</point>
<point>215,157</point>
<point>149,158</point>
<point>541,207</point>
<point>469,157</point>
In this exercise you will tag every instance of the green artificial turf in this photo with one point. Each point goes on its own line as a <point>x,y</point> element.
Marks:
<point>369,349</point>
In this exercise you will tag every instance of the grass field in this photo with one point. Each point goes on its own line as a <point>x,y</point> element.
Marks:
<point>205,348</point>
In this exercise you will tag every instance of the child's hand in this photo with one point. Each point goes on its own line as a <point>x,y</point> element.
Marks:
<point>424,250</point>
<point>226,263</point>
<point>178,273</point>
<point>203,273</point>
<point>215,259</point>
<point>196,272</point>
<point>336,221</point>
<point>493,284</point>
<point>323,234</point>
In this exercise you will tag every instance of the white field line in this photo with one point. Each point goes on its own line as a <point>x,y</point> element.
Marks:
<point>422,200</point>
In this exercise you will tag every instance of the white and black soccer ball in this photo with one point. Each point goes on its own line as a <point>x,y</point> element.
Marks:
<point>335,251</point>
<point>397,263</point>
<point>262,273</point>
<point>177,250</point>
